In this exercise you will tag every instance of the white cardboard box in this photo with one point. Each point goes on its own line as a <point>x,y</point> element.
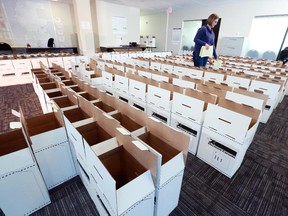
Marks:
<point>23,190</point>
<point>161,137</point>
<point>159,97</point>
<point>49,142</point>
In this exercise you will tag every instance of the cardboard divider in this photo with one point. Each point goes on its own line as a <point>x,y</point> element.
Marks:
<point>12,141</point>
<point>222,86</point>
<point>171,87</point>
<point>206,97</point>
<point>44,80</point>
<point>252,94</point>
<point>212,90</point>
<point>74,115</point>
<point>88,96</point>
<point>47,86</point>
<point>135,114</point>
<point>127,122</point>
<point>108,99</point>
<point>122,166</point>
<point>93,133</point>
<point>94,92</point>
<point>197,81</point>
<point>64,101</point>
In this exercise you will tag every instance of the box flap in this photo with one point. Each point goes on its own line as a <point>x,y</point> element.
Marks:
<point>229,123</point>
<point>188,107</point>
<point>171,87</point>
<point>268,88</point>
<point>206,97</point>
<point>240,108</point>
<point>252,94</point>
<point>105,182</point>
<point>222,86</point>
<point>211,90</point>
<point>183,83</point>
<point>172,137</point>
<point>238,81</point>
<point>244,99</point>
<point>135,114</point>
<point>197,81</point>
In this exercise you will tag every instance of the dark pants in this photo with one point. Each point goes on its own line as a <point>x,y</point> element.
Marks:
<point>198,61</point>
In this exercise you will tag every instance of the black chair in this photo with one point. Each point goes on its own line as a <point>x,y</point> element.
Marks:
<point>283,56</point>
<point>51,42</point>
<point>5,48</point>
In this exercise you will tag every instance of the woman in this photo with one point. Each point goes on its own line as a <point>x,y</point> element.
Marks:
<point>205,37</point>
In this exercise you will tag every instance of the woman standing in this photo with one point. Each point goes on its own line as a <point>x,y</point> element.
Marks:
<point>205,37</point>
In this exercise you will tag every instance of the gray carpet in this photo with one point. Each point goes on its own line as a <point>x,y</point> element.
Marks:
<point>260,186</point>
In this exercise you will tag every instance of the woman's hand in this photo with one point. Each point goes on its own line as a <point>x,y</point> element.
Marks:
<point>207,46</point>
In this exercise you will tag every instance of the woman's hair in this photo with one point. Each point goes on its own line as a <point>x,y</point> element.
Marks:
<point>211,18</point>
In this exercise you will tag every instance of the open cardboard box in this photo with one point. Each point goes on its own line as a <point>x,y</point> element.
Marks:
<point>65,102</point>
<point>19,176</point>
<point>88,97</point>
<point>48,138</point>
<point>123,176</point>
<point>13,144</point>
<point>137,89</point>
<point>48,86</point>
<point>135,114</point>
<point>173,146</point>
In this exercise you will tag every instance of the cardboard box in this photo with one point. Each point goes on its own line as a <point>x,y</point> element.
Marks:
<point>121,84</point>
<point>155,65</point>
<point>270,89</point>
<point>137,90</point>
<point>159,97</point>
<point>19,177</point>
<point>227,132</point>
<point>47,136</point>
<point>173,147</point>
<point>128,188</point>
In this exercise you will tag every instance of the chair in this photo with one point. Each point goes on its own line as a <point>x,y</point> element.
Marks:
<point>269,55</point>
<point>51,42</point>
<point>5,48</point>
<point>283,56</point>
<point>185,48</point>
<point>253,53</point>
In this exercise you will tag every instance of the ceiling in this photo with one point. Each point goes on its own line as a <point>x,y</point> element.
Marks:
<point>152,6</point>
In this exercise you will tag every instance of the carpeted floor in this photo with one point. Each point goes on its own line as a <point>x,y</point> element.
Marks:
<point>260,186</point>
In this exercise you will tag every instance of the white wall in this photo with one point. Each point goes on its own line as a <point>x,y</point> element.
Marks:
<point>154,25</point>
<point>105,12</point>
<point>34,22</point>
<point>236,17</point>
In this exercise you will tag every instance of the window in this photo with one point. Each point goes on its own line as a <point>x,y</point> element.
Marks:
<point>267,34</point>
